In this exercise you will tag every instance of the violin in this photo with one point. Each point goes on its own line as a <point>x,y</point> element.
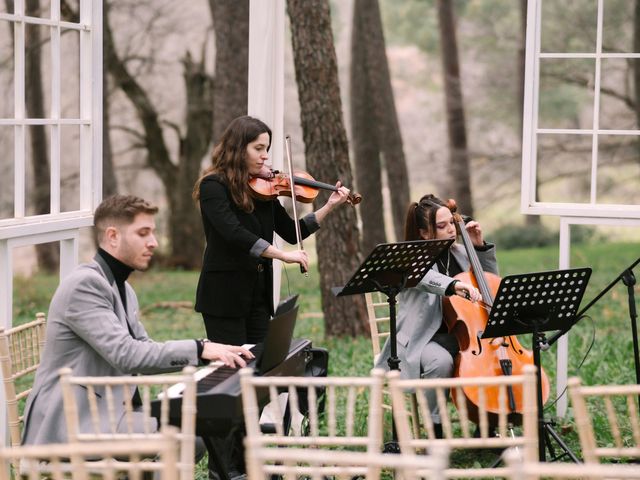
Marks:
<point>480,357</point>
<point>306,188</point>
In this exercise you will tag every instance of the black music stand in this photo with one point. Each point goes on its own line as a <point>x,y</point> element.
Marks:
<point>536,303</point>
<point>389,268</point>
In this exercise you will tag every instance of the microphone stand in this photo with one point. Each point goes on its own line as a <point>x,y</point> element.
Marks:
<point>629,280</point>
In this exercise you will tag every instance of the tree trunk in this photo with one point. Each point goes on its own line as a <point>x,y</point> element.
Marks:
<point>184,219</point>
<point>109,181</point>
<point>459,157</point>
<point>532,220</point>
<point>327,157</point>
<point>185,236</point>
<point>365,146</point>
<point>230,97</point>
<point>386,118</point>
<point>48,254</point>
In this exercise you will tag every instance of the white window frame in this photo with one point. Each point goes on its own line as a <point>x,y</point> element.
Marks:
<point>529,204</point>
<point>590,213</point>
<point>63,227</point>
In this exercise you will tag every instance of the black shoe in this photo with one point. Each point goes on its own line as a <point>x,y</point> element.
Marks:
<point>437,430</point>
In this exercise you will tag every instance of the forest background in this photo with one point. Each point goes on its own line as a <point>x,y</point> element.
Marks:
<point>396,98</point>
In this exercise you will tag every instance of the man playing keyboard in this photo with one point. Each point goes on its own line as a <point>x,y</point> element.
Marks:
<point>93,326</point>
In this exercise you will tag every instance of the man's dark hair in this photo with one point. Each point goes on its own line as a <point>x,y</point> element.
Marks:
<point>119,210</point>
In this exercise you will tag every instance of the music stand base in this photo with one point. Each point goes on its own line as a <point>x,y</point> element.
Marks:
<point>549,433</point>
<point>391,447</point>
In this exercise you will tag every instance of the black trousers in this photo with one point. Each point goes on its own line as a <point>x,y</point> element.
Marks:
<point>239,330</point>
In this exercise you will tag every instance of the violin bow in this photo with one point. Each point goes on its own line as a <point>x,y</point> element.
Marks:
<point>287,145</point>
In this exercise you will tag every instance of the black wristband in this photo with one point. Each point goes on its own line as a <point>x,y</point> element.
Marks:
<point>484,247</point>
<point>451,288</point>
<point>200,346</point>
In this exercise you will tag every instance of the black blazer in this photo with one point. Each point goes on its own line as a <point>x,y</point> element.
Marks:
<point>229,271</point>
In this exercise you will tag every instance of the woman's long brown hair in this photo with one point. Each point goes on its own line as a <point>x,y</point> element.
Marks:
<point>228,159</point>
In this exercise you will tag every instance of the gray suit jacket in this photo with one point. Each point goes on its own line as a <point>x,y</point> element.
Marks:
<point>87,332</point>
<point>420,312</point>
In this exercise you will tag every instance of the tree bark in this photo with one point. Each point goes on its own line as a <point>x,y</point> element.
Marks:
<point>231,26</point>
<point>184,218</point>
<point>109,181</point>
<point>386,118</point>
<point>456,125</point>
<point>327,157</point>
<point>186,240</point>
<point>366,149</point>
<point>48,254</point>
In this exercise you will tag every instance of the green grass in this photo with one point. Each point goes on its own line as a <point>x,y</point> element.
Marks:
<point>166,297</point>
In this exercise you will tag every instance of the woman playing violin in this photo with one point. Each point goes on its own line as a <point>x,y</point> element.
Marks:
<point>235,291</point>
<point>425,347</point>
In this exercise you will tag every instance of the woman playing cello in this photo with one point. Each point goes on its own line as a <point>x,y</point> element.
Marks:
<point>425,347</point>
<point>234,292</point>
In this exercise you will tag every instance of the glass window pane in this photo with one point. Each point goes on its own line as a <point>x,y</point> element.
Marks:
<point>616,98</point>
<point>41,8</point>
<point>71,13</point>
<point>560,35</point>
<point>617,26</point>
<point>566,93</point>
<point>69,168</point>
<point>70,76</point>
<point>618,170</point>
<point>37,168</point>
<point>33,285</point>
<point>564,168</point>
<point>6,69</point>
<point>6,7</point>
<point>37,71</point>
<point>6,171</point>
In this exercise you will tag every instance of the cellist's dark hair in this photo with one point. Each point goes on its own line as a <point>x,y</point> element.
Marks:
<point>228,159</point>
<point>422,215</point>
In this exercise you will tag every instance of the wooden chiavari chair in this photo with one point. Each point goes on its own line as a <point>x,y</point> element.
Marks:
<point>20,351</point>
<point>109,413</point>
<point>461,433</point>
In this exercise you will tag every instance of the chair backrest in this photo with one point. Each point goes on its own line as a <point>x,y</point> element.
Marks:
<point>613,406</point>
<point>297,463</point>
<point>340,412</point>
<point>379,324</point>
<point>461,435</point>
<point>20,351</point>
<point>378,313</point>
<point>519,469</point>
<point>94,460</point>
<point>102,409</point>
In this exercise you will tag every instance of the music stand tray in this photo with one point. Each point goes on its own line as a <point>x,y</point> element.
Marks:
<point>393,264</point>
<point>536,303</point>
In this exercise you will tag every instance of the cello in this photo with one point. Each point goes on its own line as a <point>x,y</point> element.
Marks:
<point>480,357</point>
